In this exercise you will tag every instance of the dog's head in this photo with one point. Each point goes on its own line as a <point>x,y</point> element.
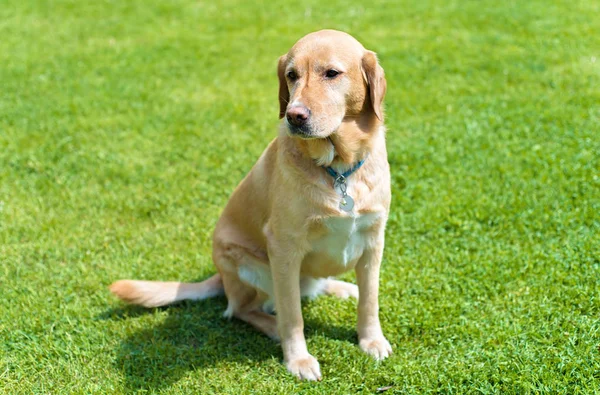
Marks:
<point>328,78</point>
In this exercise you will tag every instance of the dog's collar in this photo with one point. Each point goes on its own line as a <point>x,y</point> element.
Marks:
<point>337,176</point>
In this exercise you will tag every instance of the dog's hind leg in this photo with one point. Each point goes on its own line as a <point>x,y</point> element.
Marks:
<point>245,303</point>
<point>262,321</point>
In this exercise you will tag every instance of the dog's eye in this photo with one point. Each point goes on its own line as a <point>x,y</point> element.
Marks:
<point>332,73</point>
<point>292,75</point>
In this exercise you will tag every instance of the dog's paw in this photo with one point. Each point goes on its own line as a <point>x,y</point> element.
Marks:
<point>341,289</point>
<point>379,348</point>
<point>349,291</point>
<point>305,368</point>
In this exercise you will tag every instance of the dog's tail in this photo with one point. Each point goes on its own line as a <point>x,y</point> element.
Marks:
<point>158,293</point>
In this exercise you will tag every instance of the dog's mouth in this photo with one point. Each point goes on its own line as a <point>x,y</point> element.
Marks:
<point>307,132</point>
<point>304,132</point>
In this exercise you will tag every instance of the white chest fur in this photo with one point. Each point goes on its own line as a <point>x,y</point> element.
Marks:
<point>341,243</point>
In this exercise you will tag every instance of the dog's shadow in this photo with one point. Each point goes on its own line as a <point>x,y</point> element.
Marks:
<point>195,336</point>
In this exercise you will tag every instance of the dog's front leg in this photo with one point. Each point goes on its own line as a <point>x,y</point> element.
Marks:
<point>370,336</point>
<point>285,269</point>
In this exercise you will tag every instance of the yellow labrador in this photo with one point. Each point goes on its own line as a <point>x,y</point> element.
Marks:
<point>314,206</point>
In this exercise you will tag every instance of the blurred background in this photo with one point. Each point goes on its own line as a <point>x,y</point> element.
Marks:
<point>125,125</point>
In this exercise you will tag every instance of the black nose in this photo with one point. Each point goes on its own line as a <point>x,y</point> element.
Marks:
<point>298,115</point>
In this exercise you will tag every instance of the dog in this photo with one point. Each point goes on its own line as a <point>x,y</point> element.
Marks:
<point>315,205</point>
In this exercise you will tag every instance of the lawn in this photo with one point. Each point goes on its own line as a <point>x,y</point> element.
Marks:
<point>125,125</point>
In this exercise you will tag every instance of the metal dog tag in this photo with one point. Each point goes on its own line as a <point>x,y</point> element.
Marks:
<point>347,203</point>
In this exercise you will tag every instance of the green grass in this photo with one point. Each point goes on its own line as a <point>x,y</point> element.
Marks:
<point>125,125</point>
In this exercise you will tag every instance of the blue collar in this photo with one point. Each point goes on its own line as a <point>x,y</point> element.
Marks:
<point>336,176</point>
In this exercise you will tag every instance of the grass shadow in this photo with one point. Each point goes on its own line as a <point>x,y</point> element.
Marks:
<point>126,312</point>
<point>195,336</point>
<point>316,327</point>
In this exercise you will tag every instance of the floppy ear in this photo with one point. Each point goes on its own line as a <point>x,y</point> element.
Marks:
<point>284,93</point>
<point>376,83</point>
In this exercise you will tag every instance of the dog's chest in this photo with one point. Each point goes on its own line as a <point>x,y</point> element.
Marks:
<point>338,243</point>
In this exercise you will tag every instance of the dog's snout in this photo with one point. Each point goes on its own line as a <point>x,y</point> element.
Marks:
<point>298,115</point>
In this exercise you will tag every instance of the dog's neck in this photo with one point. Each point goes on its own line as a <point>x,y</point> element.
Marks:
<point>351,143</point>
